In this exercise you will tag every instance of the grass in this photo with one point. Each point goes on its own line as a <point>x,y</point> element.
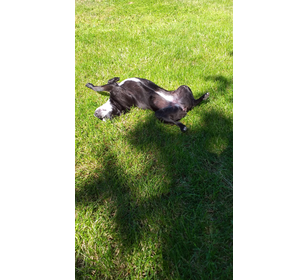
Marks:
<point>153,202</point>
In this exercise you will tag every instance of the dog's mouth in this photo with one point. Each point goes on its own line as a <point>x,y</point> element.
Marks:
<point>99,114</point>
<point>101,118</point>
<point>102,114</point>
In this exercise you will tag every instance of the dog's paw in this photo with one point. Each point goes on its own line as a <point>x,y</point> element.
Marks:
<point>89,85</point>
<point>113,80</point>
<point>206,96</point>
<point>183,128</point>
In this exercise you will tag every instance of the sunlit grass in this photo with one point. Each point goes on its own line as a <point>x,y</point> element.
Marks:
<point>152,202</point>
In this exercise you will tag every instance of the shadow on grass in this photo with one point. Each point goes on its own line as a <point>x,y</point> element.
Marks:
<point>190,210</point>
<point>222,83</point>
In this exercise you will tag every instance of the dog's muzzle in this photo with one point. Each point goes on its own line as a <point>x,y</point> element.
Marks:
<point>101,114</point>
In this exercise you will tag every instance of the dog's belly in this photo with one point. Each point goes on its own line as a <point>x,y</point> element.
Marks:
<point>159,103</point>
<point>147,94</point>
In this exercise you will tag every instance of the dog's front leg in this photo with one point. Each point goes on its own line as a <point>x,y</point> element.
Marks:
<point>107,87</point>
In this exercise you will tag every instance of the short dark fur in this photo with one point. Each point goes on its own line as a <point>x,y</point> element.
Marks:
<point>143,95</point>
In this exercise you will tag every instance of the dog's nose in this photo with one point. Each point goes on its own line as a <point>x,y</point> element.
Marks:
<point>97,113</point>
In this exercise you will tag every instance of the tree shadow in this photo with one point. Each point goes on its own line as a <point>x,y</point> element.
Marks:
<point>192,206</point>
<point>222,83</point>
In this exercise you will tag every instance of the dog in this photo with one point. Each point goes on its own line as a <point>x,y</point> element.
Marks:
<point>169,106</point>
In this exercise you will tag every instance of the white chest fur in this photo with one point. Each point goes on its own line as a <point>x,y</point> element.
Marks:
<point>162,94</point>
<point>165,96</point>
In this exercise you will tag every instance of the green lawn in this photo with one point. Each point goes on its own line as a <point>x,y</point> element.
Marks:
<point>153,202</point>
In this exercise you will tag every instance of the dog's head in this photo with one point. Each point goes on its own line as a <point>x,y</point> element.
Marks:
<point>106,111</point>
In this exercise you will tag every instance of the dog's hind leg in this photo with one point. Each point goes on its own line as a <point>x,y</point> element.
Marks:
<point>199,100</point>
<point>186,99</point>
<point>171,115</point>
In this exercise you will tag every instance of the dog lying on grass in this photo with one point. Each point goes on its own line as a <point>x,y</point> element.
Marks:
<point>169,106</point>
